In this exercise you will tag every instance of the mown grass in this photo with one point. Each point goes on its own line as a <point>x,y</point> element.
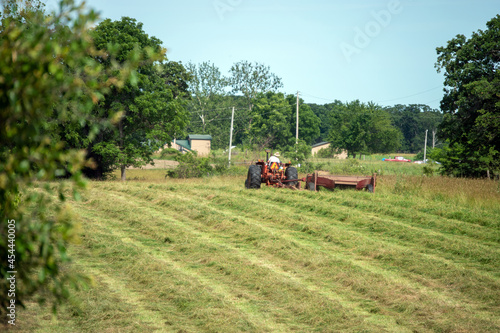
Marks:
<point>422,254</point>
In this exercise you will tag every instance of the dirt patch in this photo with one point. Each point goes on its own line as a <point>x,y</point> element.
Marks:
<point>159,164</point>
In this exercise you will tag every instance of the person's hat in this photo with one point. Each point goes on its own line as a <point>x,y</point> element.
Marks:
<point>277,154</point>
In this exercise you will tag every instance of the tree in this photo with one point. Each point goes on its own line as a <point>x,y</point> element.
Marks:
<point>48,76</point>
<point>152,105</point>
<point>471,103</point>
<point>210,107</point>
<point>309,123</point>
<point>272,116</point>
<point>250,79</point>
<point>413,120</point>
<point>323,113</point>
<point>363,128</point>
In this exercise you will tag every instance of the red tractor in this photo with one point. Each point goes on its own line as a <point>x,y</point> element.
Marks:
<point>284,175</point>
<point>272,173</point>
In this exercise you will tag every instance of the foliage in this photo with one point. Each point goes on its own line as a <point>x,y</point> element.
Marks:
<point>151,106</point>
<point>328,152</point>
<point>428,170</point>
<point>363,128</point>
<point>252,79</point>
<point>299,153</point>
<point>191,166</point>
<point>309,123</point>
<point>413,120</point>
<point>273,122</point>
<point>471,103</point>
<point>210,106</point>
<point>271,118</point>
<point>323,113</point>
<point>169,154</point>
<point>48,78</point>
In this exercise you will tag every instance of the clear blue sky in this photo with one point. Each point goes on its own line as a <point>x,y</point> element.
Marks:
<point>372,50</point>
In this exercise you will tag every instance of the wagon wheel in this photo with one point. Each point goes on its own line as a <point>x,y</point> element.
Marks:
<point>311,187</point>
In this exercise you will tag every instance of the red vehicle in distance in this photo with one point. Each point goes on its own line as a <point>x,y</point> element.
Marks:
<point>396,159</point>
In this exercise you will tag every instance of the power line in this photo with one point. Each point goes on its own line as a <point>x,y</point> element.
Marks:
<point>419,93</point>
<point>382,101</point>
<point>211,110</point>
<point>240,117</point>
<point>326,99</point>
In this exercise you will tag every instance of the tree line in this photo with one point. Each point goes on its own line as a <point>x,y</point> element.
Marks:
<point>267,118</point>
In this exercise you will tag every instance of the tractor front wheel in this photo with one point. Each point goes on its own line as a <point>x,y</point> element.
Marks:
<point>253,178</point>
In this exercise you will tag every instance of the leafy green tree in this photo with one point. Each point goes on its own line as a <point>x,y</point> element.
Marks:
<point>271,118</point>
<point>210,106</point>
<point>152,105</point>
<point>248,81</point>
<point>48,75</point>
<point>471,103</point>
<point>413,120</point>
<point>323,113</point>
<point>251,79</point>
<point>309,123</point>
<point>298,153</point>
<point>274,122</point>
<point>363,128</point>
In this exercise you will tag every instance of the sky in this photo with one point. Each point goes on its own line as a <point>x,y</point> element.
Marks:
<point>382,51</point>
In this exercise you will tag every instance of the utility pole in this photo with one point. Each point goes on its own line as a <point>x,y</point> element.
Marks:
<point>425,147</point>
<point>231,137</point>
<point>297,129</point>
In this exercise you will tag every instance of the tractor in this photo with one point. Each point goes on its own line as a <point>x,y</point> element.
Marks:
<point>272,174</point>
<point>284,175</point>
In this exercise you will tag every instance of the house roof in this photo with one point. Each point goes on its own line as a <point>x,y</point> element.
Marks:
<point>320,144</point>
<point>199,137</point>
<point>183,144</point>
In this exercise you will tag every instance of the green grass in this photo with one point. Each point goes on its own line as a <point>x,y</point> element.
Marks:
<point>422,254</point>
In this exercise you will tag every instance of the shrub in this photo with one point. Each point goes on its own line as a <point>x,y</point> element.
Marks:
<point>428,170</point>
<point>169,154</point>
<point>48,79</point>
<point>191,166</point>
<point>298,153</point>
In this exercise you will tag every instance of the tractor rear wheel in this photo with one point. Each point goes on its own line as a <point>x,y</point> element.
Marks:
<point>253,178</point>
<point>291,173</point>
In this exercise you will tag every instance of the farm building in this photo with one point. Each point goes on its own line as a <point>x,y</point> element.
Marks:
<point>323,145</point>
<point>195,142</point>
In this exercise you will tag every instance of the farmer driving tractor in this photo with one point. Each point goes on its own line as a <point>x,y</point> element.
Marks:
<point>274,162</point>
